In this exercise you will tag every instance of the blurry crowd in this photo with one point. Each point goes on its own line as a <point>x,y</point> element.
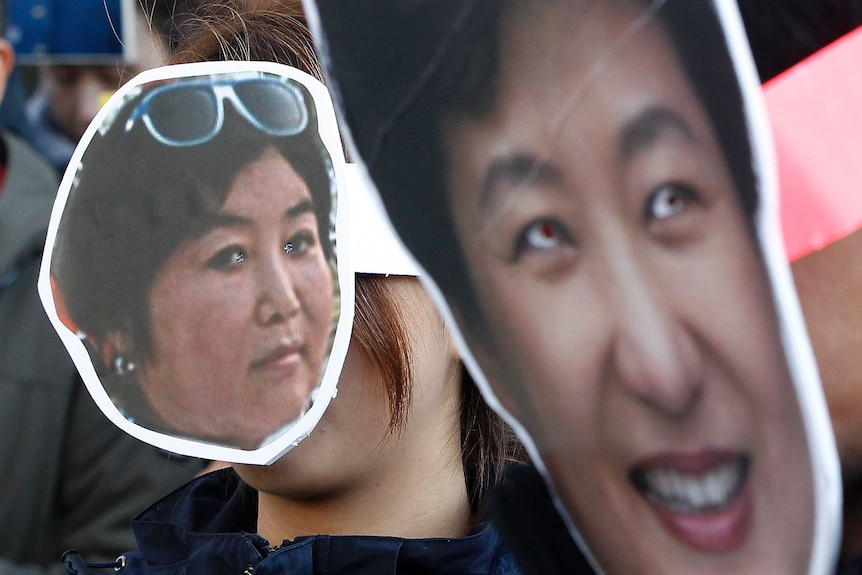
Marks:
<point>70,478</point>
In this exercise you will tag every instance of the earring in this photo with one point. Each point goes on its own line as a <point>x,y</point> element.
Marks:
<point>122,366</point>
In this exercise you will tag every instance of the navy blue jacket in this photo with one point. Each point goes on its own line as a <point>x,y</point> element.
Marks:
<point>207,527</point>
<point>531,526</point>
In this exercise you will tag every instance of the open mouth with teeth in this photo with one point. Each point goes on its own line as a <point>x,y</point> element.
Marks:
<point>701,499</point>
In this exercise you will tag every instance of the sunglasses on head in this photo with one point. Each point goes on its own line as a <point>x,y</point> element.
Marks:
<point>189,113</point>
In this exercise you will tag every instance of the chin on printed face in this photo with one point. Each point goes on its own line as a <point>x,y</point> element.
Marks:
<point>206,296</point>
<point>599,185</point>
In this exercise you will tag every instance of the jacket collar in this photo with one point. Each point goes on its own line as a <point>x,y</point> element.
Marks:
<point>207,527</point>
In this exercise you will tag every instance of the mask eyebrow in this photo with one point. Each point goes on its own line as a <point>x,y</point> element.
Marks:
<point>204,225</point>
<point>641,133</point>
<point>517,170</point>
<point>303,207</point>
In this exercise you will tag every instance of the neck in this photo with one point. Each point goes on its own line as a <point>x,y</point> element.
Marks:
<point>417,496</point>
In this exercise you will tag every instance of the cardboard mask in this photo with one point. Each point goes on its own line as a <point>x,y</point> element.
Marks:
<point>199,264</point>
<point>590,188</point>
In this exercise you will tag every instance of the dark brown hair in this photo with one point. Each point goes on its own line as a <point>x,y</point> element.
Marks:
<point>263,30</point>
<point>276,31</point>
<point>488,445</point>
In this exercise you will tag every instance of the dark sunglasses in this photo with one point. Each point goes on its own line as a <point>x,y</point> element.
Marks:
<point>189,113</point>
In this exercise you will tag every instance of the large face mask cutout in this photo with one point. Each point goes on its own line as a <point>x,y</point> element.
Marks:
<point>591,192</point>
<point>197,262</point>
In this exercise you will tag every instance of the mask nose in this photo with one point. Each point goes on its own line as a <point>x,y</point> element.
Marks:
<point>277,295</point>
<point>656,354</point>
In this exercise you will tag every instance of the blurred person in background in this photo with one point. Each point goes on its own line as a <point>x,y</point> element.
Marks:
<point>71,90</point>
<point>70,477</point>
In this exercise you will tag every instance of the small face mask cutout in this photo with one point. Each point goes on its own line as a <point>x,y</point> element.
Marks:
<point>591,191</point>
<point>197,265</point>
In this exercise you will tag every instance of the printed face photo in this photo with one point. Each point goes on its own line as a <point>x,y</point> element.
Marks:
<point>584,183</point>
<point>625,293</point>
<point>195,257</point>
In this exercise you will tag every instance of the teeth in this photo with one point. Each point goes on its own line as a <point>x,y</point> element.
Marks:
<point>685,493</point>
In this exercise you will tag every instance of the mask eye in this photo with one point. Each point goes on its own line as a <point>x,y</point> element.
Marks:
<point>542,235</point>
<point>299,244</point>
<point>226,258</point>
<point>667,201</point>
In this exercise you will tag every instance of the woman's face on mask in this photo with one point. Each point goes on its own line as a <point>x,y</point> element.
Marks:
<point>241,314</point>
<point>628,305</point>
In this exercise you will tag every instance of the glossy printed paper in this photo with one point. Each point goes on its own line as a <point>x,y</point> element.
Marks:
<point>197,266</point>
<point>590,187</point>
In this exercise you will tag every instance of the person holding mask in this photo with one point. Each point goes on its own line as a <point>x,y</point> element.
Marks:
<point>393,478</point>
